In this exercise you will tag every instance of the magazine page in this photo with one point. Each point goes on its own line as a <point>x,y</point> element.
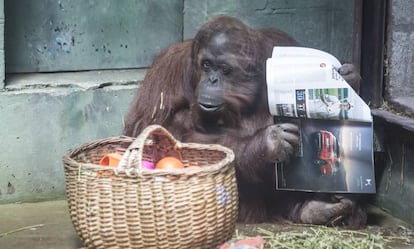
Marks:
<point>302,52</point>
<point>310,86</point>
<point>335,153</point>
<point>334,156</point>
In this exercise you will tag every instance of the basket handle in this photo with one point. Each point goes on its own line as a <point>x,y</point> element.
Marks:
<point>132,158</point>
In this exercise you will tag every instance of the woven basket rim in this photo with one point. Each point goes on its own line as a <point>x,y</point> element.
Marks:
<point>72,163</point>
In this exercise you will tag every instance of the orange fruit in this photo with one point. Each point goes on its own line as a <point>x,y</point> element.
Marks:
<point>111,159</point>
<point>169,162</point>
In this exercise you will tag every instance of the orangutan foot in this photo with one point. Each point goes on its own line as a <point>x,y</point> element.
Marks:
<point>340,212</point>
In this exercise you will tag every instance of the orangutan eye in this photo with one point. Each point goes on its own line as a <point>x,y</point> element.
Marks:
<point>226,69</point>
<point>206,65</point>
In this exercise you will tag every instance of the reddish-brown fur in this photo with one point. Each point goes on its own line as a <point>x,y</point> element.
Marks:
<point>167,97</point>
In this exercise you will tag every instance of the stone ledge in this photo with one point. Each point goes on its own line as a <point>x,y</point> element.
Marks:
<point>86,80</point>
<point>404,122</point>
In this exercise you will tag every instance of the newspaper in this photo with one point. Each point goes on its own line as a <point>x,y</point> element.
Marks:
<point>335,153</point>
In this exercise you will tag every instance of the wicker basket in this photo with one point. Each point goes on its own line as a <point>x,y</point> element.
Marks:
<point>131,207</point>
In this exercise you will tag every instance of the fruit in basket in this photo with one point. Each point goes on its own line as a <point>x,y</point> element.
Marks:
<point>147,165</point>
<point>169,162</point>
<point>110,159</point>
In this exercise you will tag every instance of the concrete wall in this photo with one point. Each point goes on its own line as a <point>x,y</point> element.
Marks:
<point>39,124</point>
<point>68,35</point>
<point>395,163</point>
<point>44,115</point>
<point>326,25</point>
<point>400,53</point>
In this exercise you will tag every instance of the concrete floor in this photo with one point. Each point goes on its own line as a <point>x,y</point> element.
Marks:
<point>47,225</point>
<point>43,225</point>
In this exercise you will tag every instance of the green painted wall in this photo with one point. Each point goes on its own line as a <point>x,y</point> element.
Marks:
<point>67,35</point>
<point>322,24</point>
